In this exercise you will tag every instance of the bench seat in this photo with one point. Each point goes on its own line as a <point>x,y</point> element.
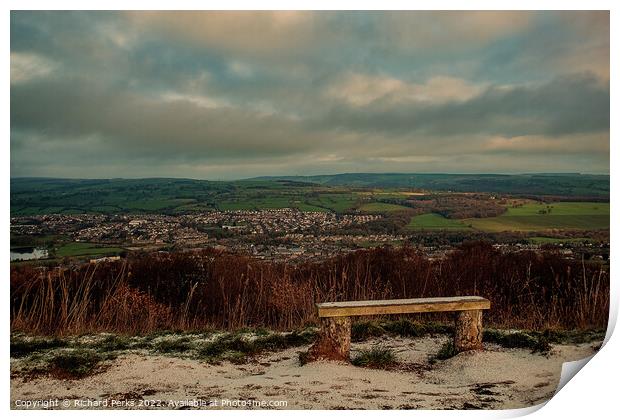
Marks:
<point>402,306</point>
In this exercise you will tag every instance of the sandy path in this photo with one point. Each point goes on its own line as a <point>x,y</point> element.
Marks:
<point>493,378</point>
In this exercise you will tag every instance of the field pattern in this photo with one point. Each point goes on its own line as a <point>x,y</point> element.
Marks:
<point>74,249</point>
<point>338,193</point>
<point>535,217</point>
<point>432,221</point>
<point>378,207</point>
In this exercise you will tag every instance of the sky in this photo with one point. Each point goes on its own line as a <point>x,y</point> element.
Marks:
<point>230,95</point>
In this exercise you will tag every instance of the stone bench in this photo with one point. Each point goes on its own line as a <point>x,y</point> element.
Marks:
<point>334,339</point>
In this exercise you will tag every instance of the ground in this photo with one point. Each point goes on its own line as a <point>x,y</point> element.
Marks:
<point>496,378</point>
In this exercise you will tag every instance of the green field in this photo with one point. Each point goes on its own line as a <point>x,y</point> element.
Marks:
<point>338,193</point>
<point>321,203</point>
<point>560,209</point>
<point>432,221</point>
<point>152,205</point>
<point>377,207</point>
<point>562,215</point>
<point>32,196</point>
<point>541,240</point>
<point>255,203</point>
<point>82,249</point>
<point>338,202</point>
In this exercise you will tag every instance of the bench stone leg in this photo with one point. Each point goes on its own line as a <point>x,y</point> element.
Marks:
<point>468,331</point>
<point>334,340</point>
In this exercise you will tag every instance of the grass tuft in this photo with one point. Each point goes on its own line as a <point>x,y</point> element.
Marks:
<point>446,351</point>
<point>235,344</point>
<point>112,343</point>
<point>75,363</point>
<point>408,328</point>
<point>303,357</point>
<point>172,345</point>
<point>573,336</point>
<point>377,357</point>
<point>225,343</point>
<point>538,343</point>
<point>361,331</point>
<point>24,346</point>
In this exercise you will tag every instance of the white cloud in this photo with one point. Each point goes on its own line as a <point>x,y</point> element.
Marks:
<point>571,143</point>
<point>361,89</point>
<point>201,101</point>
<point>26,67</point>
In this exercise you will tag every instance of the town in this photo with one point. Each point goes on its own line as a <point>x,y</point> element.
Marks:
<point>271,234</point>
<point>276,234</point>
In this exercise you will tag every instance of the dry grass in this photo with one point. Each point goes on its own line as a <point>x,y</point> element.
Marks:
<point>212,289</point>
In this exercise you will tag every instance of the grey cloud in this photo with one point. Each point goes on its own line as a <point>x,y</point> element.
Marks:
<point>117,94</point>
<point>152,126</point>
<point>576,104</point>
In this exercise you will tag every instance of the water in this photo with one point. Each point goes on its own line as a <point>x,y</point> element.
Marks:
<point>27,253</point>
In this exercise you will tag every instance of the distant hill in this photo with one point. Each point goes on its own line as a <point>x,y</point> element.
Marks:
<point>30,196</point>
<point>565,184</point>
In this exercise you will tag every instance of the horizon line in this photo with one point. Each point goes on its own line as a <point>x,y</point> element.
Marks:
<point>315,175</point>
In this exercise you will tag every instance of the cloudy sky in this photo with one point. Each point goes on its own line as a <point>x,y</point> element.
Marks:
<point>224,95</point>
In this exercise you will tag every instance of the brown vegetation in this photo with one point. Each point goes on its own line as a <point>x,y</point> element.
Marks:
<point>454,206</point>
<point>195,290</point>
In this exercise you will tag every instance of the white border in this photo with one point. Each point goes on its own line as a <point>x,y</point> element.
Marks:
<point>592,394</point>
